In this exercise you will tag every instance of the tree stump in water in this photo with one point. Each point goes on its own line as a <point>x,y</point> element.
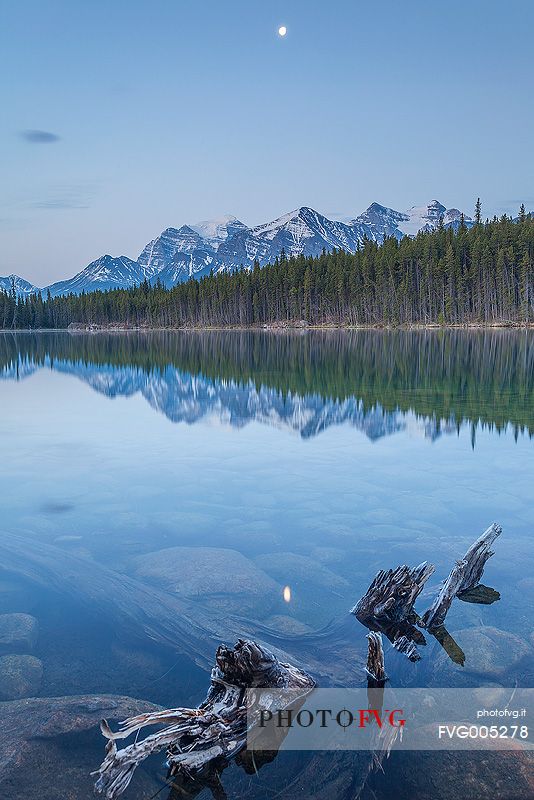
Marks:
<point>388,606</point>
<point>464,576</point>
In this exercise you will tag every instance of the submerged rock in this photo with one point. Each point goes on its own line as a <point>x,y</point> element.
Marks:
<point>20,676</point>
<point>225,578</point>
<point>488,651</point>
<point>329,555</point>
<point>18,633</point>
<point>286,624</point>
<point>44,717</point>
<point>481,775</point>
<point>291,568</point>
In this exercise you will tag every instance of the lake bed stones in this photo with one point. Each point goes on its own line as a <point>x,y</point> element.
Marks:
<point>489,652</point>
<point>20,676</point>
<point>224,578</point>
<point>18,633</point>
<point>293,568</point>
<point>282,623</point>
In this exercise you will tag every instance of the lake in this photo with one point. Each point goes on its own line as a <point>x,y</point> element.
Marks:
<point>216,469</point>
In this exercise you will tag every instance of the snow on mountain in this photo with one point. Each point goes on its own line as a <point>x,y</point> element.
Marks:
<point>22,287</point>
<point>452,219</point>
<point>184,265</point>
<point>306,232</point>
<point>104,273</point>
<point>422,218</point>
<point>382,221</point>
<point>181,253</point>
<point>242,249</point>
<point>300,232</point>
<point>217,231</point>
<point>160,252</point>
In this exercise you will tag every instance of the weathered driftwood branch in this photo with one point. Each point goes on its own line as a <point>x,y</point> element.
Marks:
<point>464,576</point>
<point>388,606</point>
<point>196,737</point>
<point>376,671</point>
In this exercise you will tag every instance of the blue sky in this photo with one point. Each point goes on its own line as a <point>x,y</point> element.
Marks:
<point>167,112</point>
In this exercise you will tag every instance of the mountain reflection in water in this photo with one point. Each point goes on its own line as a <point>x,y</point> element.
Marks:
<point>378,382</point>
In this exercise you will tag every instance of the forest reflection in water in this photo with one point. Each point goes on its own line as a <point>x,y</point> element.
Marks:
<point>306,381</point>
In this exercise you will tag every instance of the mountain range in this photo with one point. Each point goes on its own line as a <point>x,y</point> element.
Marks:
<point>226,244</point>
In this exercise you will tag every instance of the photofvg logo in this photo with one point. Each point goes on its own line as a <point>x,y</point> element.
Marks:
<point>404,719</point>
<point>325,717</point>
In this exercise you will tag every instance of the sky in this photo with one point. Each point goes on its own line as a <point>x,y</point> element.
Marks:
<point>123,117</point>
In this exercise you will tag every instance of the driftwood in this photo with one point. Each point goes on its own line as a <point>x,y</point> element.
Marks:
<point>464,576</point>
<point>388,606</point>
<point>194,738</point>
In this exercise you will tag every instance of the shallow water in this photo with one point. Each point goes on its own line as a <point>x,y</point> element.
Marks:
<point>319,457</point>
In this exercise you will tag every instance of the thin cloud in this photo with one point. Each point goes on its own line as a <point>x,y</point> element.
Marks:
<point>67,196</point>
<point>39,137</point>
<point>55,204</point>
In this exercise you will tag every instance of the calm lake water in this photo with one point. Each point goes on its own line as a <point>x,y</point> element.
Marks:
<point>219,468</point>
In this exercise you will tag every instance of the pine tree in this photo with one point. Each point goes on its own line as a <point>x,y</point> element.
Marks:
<point>478,211</point>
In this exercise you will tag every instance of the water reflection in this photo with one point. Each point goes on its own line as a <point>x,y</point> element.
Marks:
<point>139,546</point>
<point>429,383</point>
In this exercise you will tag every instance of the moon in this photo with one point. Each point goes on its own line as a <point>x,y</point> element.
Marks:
<point>282,30</point>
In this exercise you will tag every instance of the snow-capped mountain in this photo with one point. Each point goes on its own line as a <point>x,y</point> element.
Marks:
<point>21,286</point>
<point>426,218</point>
<point>382,221</point>
<point>226,244</point>
<point>306,232</point>
<point>160,252</point>
<point>217,231</point>
<point>301,232</point>
<point>180,253</point>
<point>104,273</point>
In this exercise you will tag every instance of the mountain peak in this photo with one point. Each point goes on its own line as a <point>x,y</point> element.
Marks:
<point>22,287</point>
<point>215,231</point>
<point>377,214</point>
<point>270,229</point>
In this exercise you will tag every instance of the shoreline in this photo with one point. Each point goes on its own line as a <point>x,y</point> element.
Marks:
<point>277,328</point>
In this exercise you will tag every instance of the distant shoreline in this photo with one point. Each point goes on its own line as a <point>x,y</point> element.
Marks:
<point>275,328</point>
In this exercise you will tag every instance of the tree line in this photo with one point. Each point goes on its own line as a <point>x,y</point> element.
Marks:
<point>478,275</point>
